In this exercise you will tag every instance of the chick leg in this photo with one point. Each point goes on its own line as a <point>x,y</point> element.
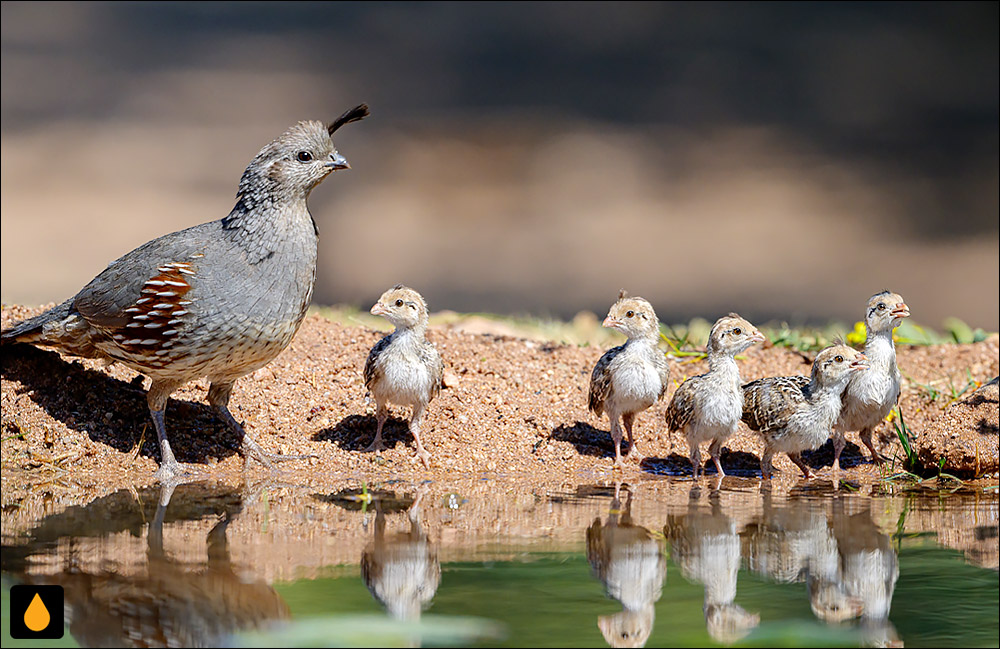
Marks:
<point>695,458</point>
<point>616,436</point>
<point>765,463</point>
<point>381,414</point>
<point>799,462</point>
<point>866,439</point>
<point>633,452</point>
<point>418,415</point>
<point>715,450</point>
<point>839,441</point>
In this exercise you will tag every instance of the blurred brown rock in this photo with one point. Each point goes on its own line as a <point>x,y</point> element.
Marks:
<point>965,435</point>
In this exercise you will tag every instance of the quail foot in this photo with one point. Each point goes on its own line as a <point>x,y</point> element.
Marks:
<point>217,300</point>
<point>707,408</point>
<point>870,395</point>
<point>631,377</point>
<point>403,368</point>
<point>795,413</point>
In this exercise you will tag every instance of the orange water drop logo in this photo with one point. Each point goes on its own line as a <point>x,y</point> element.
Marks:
<point>37,617</point>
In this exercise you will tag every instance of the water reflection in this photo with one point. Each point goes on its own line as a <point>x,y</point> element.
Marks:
<point>629,561</point>
<point>869,570</point>
<point>706,548</point>
<point>169,602</point>
<point>849,565</point>
<point>401,570</point>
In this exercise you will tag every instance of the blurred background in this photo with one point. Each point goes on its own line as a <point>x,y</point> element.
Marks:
<point>782,160</point>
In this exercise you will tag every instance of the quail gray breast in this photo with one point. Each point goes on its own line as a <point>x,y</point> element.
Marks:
<point>217,300</point>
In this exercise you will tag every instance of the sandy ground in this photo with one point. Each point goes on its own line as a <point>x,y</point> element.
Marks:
<point>512,408</point>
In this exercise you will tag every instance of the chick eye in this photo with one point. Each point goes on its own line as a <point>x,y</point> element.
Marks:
<point>881,306</point>
<point>629,314</point>
<point>737,331</point>
<point>399,303</point>
<point>839,359</point>
<point>304,156</point>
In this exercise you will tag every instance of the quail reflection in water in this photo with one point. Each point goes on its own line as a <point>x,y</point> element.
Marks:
<point>706,548</point>
<point>630,563</point>
<point>171,604</point>
<point>401,570</point>
<point>850,567</point>
<point>869,570</point>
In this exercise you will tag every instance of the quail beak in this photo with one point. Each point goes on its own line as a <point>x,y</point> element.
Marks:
<point>758,337</point>
<point>901,311</point>
<point>378,309</point>
<point>611,323</point>
<point>338,161</point>
<point>860,363</point>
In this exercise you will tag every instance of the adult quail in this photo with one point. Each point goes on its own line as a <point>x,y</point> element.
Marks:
<point>795,413</point>
<point>631,377</point>
<point>871,395</point>
<point>217,300</point>
<point>403,367</point>
<point>708,407</point>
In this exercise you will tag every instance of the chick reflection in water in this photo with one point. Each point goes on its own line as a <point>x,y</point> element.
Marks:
<point>172,604</point>
<point>706,547</point>
<point>629,561</point>
<point>869,570</point>
<point>401,570</point>
<point>792,542</point>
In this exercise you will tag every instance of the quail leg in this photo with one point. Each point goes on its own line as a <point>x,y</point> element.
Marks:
<point>695,459</point>
<point>715,450</point>
<point>765,463</point>
<point>218,398</point>
<point>616,436</point>
<point>839,441</point>
<point>866,439</point>
<point>381,414</point>
<point>418,415</point>
<point>632,453</point>
<point>170,469</point>
<point>799,462</point>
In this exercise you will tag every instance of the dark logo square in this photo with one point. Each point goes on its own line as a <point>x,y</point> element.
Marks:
<point>36,612</point>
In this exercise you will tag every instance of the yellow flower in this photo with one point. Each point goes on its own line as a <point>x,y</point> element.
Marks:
<point>859,335</point>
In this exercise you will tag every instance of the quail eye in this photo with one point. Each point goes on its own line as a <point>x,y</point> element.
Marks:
<point>839,359</point>
<point>629,314</point>
<point>399,303</point>
<point>737,331</point>
<point>881,306</point>
<point>304,156</point>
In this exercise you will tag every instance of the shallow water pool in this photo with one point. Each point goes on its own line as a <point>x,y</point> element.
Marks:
<point>488,562</point>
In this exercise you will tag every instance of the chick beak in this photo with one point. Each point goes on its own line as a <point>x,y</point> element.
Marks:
<point>378,309</point>
<point>901,311</point>
<point>611,323</point>
<point>860,363</point>
<point>338,161</point>
<point>758,337</point>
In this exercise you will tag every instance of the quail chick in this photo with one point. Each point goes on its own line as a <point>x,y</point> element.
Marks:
<point>871,395</point>
<point>403,368</point>
<point>631,377</point>
<point>217,300</point>
<point>793,413</point>
<point>707,408</point>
